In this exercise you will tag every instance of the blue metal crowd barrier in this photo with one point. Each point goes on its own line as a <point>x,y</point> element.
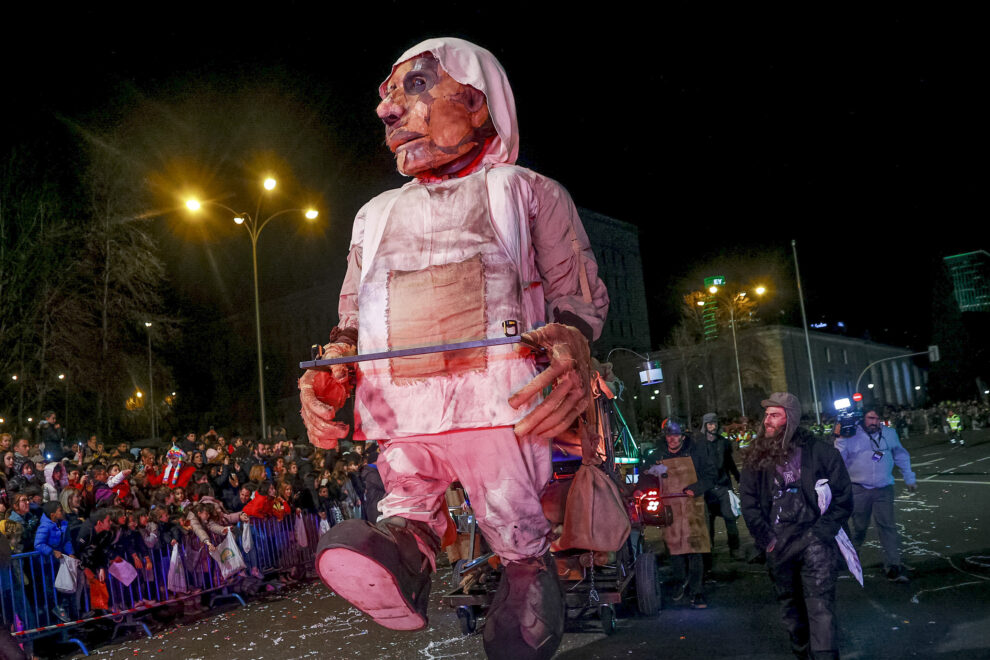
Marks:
<point>28,596</point>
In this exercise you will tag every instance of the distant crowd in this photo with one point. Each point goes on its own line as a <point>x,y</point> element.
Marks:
<point>940,418</point>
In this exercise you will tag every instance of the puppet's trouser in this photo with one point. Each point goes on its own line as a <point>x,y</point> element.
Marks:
<point>805,588</point>
<point>877,503</point>
<point>503,476</point>
<point>384,569</point>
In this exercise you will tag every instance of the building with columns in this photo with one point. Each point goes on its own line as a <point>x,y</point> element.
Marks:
<point>703,378</point>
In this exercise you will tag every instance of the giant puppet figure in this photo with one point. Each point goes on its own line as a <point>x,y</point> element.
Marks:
<point>472,241</point>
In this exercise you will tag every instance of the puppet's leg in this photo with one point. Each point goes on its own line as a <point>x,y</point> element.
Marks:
<point>504,476</point>
<point>384,569</point>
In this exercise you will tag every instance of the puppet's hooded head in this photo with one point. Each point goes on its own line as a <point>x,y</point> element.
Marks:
<point>448,110</point>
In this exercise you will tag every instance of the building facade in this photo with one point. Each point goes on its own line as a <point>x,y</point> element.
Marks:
<point>704,379</point>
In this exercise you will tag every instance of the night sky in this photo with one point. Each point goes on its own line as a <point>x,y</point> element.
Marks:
<point>722,134</point>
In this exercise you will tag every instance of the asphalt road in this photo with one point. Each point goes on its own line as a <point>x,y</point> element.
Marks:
<point>944,612</point>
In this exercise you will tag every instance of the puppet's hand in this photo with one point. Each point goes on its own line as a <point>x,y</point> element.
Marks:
<point>322,394</point>
<point>570,375</point>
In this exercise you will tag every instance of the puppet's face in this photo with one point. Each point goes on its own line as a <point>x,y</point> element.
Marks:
<point>433,124</point>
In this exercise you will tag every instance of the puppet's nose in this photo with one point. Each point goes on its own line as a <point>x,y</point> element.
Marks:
<point>390,112</point>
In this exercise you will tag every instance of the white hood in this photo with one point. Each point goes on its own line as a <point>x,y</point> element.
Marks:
<point>472,65</point>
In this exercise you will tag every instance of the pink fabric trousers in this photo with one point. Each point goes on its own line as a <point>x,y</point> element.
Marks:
<point>503,476</point>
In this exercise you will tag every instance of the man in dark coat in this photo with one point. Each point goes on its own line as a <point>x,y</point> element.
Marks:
<point>780,504</point>
<point>51,435</point>
<point>717,499</point>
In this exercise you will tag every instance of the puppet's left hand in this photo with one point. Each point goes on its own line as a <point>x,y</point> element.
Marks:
<point>570,375</point>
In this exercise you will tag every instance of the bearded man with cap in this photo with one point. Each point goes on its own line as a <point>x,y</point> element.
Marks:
<point>780,505</point>
<point>472,241</point>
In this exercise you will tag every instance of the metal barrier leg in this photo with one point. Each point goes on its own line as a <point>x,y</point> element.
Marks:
<point>73,640</point>
<point>82,647</point>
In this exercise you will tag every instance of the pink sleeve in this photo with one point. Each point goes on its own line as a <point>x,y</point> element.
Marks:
<point>347,307</point>
<point>554,222</point>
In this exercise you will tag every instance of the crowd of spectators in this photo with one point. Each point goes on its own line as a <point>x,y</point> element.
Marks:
<point>123,504</point>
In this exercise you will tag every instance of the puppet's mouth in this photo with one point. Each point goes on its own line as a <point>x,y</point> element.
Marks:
<point>402,137</point>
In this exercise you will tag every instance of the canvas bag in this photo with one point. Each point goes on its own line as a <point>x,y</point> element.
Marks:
<point>595,517</point>
<point>176,573</point>
<point>124,572</point>
<point>228,557</point>
<point>67,579</point>
<point>246,541</point>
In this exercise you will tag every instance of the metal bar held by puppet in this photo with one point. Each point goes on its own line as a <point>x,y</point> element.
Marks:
<point>510,327</point>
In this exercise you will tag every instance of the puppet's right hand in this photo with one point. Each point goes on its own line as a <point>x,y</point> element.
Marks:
<point>322,394</point>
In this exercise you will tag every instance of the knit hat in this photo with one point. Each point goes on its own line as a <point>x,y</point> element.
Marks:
<point>671,427</point>
<point>791,406</point>
<point>175,452</point>
<point>211,454</point>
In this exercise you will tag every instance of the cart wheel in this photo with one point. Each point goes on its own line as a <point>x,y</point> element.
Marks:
<point>647,584</point>
<point>607,615</point>
<point>467,619</point>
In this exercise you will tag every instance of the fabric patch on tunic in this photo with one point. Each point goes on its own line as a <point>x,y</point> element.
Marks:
<point>456,313</point>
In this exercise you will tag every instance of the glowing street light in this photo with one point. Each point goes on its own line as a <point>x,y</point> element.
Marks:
<point>254,226</point>
<point>61,377</point>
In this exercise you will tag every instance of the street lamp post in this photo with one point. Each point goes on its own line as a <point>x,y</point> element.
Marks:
<point>807,336</point>
<point>735,349</point>
<point>254,226</point>
<point>20,405</point>
<point>65,419</point>
<point>151,385</point>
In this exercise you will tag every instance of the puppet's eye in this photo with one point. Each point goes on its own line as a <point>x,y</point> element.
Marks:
<point>418,82</point>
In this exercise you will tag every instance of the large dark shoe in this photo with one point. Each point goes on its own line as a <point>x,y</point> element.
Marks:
<point>526,618</point>
<point>380,569</point>
<point>698,602</point>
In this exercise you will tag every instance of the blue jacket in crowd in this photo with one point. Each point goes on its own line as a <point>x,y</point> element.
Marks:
<point>52,536</point>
